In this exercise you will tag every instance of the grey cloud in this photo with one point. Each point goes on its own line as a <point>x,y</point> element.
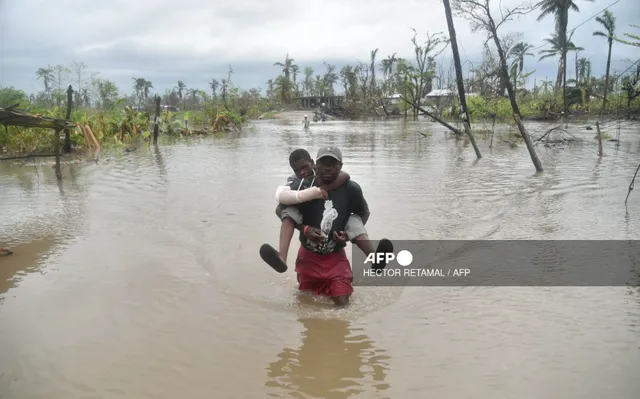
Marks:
<point>39,33</point>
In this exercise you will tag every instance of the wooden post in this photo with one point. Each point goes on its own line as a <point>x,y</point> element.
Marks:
<point>527,140</point>
<point>599,139</point>
<point>67,133</point>
<point>156,121</point>
<point>57,152</point>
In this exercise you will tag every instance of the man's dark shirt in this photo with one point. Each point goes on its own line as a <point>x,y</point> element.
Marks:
<point>341,203</point>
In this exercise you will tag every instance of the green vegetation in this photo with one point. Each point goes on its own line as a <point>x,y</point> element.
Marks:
<point>369,88</point>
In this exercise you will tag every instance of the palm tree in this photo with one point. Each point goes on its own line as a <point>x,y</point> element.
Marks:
<point>138,87</point>
<point>307,84</point>
<point>387,70</point>
<point>518,52</point>
<point>283,87</point>
<point>557,50</point>
<point>545,84</point>
<point>287,67</point>
<point>145,88</point>
<point>294,72</point>
<point>373,70</point>
<point>214,84</point>
<point>608,20</point>
<point>560,9</point>
<point>329,79</point>
<point>270,89</point>
<point>181,87</point>
<point>46,74</point>
<point>632,36</point>
<point>193,93</point>
<point>584,70</point>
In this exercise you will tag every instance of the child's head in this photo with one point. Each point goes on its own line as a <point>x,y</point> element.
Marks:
<point>301,163</point>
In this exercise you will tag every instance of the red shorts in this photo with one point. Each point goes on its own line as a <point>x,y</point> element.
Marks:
<point>328,275</point>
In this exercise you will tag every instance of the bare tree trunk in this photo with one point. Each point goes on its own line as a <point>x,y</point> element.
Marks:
<point>527,140</point>
<point>606,81</point>
<point>459,80</point>
<point>512,98</point>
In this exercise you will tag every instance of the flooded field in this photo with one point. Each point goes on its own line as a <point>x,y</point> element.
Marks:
<point>139,277</point>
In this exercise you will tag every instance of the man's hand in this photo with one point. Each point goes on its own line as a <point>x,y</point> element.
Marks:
<point>324,192</point>
<point>340,237</point>
<point>313,233</point>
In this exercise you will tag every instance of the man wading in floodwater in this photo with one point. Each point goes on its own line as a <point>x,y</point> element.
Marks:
<point>322,264</point>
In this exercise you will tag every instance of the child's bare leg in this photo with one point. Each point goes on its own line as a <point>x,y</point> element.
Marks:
<point>290,217</point>
<point>358,235</point>
<point>362,241</point>
<point>287,229</point>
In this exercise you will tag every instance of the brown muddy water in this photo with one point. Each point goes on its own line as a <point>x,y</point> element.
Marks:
<point>140,276</point>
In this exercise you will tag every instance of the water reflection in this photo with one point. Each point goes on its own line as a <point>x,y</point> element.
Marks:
<point>162,169</point>
<point>40,216</point>
<point>25,259</point>
<point>330,363</point>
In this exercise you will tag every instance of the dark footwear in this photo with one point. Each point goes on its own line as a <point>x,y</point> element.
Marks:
<point>5,251</point>
<point>384,246</point>
<point>272,258</point>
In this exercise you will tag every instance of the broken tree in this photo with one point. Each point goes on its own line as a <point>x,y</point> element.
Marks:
<point>459,80</point>
<point>478,12</point>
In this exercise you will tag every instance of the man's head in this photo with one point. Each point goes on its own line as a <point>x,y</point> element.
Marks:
<point>329,162</point>
<point>301,163</point>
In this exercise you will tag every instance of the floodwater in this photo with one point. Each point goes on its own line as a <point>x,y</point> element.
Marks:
<point>139,277</point>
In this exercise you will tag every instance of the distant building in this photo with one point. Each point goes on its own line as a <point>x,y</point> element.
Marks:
<point>394,99</point>
<point>316,101</point>
<point>440,98</point>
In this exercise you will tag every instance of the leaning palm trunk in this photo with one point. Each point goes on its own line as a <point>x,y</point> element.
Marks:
<point>606,80</point>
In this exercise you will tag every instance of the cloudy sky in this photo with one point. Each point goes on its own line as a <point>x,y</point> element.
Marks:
<point>195,40</point>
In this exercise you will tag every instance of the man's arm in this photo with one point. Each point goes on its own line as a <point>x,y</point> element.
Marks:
<point>341,180</point>
<point>359,205</point>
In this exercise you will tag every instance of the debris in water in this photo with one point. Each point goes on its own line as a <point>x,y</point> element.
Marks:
<point>5,252</point>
